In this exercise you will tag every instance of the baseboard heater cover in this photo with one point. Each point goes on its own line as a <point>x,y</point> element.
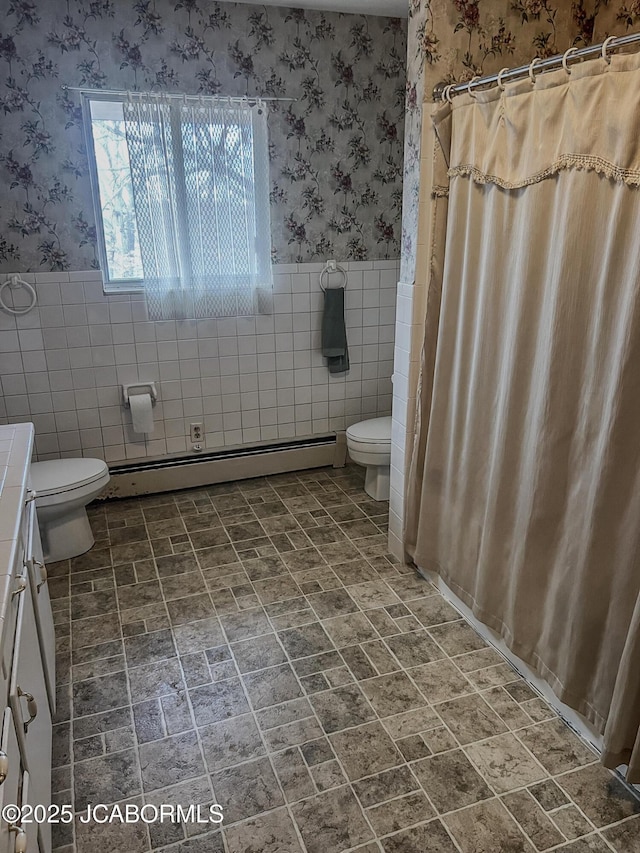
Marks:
<point>152,476</point>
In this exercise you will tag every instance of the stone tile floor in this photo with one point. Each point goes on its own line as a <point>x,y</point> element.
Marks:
<point>254,644</point>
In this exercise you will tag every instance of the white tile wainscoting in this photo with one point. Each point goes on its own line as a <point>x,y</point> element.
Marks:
<point>247,379</point>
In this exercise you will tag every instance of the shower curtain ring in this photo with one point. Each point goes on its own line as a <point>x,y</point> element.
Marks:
<point>446,93</point>
<point>532,65</point>
<point>470,84</point>
<point>500,83</point>
<point>565,57</point>
<point>605,45</point>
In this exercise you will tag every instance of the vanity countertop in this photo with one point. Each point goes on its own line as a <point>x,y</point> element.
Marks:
<point>16,445</point>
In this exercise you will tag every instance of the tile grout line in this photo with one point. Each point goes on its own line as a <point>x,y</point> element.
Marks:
<point>269,753</point>
<point>184,681</point>
<point>136,745</point>
<point>348,782</point>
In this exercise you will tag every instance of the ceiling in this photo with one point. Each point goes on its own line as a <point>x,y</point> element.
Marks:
<point>393,8</point>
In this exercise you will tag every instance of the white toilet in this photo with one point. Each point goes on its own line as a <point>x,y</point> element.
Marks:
<point>369,444</point>
<point>63,489</point>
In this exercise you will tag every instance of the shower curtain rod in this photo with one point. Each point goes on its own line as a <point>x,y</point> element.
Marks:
<point>444,92</point>
<point>124,92</point>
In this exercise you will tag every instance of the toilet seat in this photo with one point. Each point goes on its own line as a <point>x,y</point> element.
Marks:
<point>367,434</point>
<point>56,476</point>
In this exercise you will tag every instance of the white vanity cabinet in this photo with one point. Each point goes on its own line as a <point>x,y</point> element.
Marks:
<point>27,673</point>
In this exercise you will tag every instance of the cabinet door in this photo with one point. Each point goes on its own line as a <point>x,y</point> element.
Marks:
<point>10,787</point>
<point>30,706</point>
<point>37,571</point>
<point>16,586</point>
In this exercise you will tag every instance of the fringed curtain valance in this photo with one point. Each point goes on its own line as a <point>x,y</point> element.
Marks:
<point>587,120</point>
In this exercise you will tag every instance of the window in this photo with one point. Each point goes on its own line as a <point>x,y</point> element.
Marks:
<point>181,196</point>
<point>119,243</point>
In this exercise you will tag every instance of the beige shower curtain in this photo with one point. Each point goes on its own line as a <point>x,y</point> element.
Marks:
<point>524,487</point>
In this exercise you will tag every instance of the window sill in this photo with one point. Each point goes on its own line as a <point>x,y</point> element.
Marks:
<point>114,291</point>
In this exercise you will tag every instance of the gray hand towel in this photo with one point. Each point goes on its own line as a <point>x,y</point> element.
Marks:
<point>334,333</point>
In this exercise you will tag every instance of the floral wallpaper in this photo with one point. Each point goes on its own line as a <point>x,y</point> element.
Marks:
<point>336,149</point>
<point>452,40</point>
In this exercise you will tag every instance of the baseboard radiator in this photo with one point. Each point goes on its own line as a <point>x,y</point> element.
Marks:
<point>168,474</point>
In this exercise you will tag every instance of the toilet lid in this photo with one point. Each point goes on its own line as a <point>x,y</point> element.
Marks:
<point>374,431</point>
<point>62,475</point>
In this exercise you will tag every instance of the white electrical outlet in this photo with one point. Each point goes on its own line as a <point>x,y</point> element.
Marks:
<point>197,432</point>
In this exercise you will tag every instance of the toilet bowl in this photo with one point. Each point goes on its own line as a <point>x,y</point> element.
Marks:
<point>369,444</point>
<point>63,489</point>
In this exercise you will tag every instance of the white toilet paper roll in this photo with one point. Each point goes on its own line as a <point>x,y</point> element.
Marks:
<point>141,413</point>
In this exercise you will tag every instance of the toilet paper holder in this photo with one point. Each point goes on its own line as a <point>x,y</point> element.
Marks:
<point>134,388</point>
